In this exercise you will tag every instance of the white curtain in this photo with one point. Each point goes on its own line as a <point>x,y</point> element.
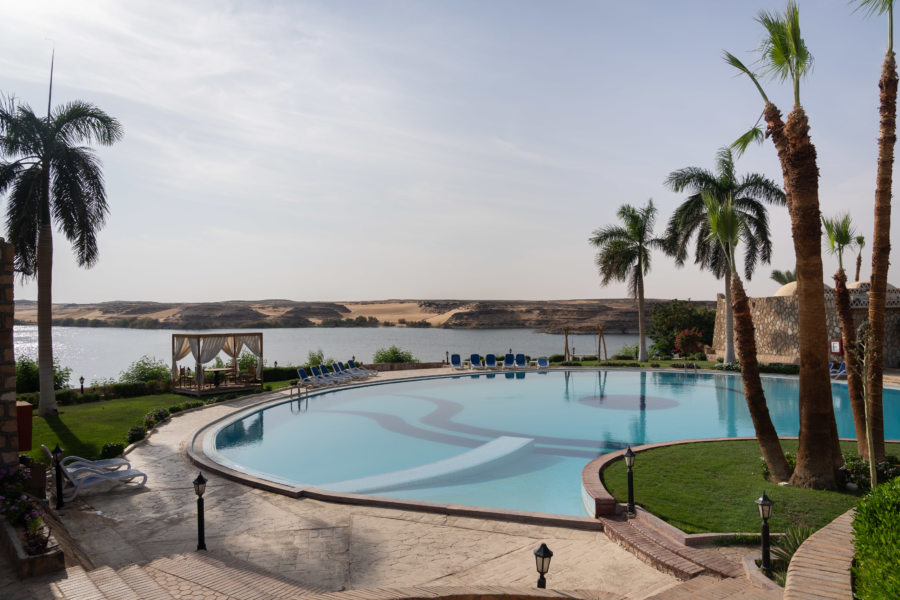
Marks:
<point>195,352</point>
<point>233,346</point>
<point>204,349</point>
<point>182,349</point>
<point>254,345</point>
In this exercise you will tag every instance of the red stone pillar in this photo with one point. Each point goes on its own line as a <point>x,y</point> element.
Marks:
<point>9,436</point>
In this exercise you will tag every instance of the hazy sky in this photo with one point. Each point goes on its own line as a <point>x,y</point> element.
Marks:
<point>342,150</point>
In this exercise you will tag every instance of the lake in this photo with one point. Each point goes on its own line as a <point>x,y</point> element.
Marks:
<point>103,352</point>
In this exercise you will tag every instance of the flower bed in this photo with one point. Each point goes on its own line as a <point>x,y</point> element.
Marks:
<point>26,538</point>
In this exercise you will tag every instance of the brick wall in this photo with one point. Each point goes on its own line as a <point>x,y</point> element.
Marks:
<point>9,438</point>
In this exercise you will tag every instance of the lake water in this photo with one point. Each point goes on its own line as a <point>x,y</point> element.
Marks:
<point>101,352</point>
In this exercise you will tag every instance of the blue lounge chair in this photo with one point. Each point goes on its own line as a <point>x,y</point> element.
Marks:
<point>490,361</point>
<point>342,370</point>
<point>335,373</point>
<point>509,362</point>
<point>841,372</point>
<point>456,361</point>
<point>521,362</point>
<point>475,362</point>
<point>305,379</point>
<point>319,378</point>
<point>361,369</point>
<point>543,363</point>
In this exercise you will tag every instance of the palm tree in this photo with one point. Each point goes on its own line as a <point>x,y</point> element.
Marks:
<point>624,255</point>
<point>52,176</point>
<point>748,192</point>
<point>860,244</point>
<point>785,56</point>
<point>727,226</point>
<point>840,235</point>
<point>783,277</point>
<point>881,240</point>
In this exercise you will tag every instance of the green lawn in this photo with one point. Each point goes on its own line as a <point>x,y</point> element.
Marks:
<point>82,429</point>
<point>712,487</point>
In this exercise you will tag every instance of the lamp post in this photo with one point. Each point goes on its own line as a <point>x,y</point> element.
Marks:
<point>629,462</point>
<point>81,379</point>
<point>542,557</point>
<point>764,504</point>
<point>199,488</point>
<point>57,461</point>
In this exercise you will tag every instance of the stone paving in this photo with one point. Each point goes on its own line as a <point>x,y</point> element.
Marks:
<point>333,546</point>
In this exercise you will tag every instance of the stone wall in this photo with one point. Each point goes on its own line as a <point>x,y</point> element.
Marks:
<point>775,320</point>
<point>9,437</point>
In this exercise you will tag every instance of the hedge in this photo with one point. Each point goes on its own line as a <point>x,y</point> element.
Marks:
<point>876,528</point>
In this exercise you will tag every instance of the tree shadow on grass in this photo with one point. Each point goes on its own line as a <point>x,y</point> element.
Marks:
<point>68,441</point>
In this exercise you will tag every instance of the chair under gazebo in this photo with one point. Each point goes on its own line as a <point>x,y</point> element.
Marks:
<point>204,348</point>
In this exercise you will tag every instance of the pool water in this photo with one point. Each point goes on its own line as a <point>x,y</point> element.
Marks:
<point>571,416</point>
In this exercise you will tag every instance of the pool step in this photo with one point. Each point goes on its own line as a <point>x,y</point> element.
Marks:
<point>658,530</point>
<point>649,550</point>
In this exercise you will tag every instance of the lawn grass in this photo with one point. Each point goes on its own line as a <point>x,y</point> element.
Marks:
<point>82,429</point>
<point>712,487</point>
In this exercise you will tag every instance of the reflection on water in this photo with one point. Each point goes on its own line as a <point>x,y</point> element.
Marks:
<point>246,432</point>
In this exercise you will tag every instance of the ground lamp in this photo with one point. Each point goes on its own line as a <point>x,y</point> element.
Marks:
<point>57,460</point>
<point>542,557</point>
<point>81,379</point>
<point>629,462</point>
<point>199,488</point>
<point>764,504</point>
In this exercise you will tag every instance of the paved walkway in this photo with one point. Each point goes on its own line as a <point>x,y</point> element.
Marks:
<point>331,546</point>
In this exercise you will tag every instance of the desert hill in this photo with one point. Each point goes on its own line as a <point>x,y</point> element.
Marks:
<point>616,315</point>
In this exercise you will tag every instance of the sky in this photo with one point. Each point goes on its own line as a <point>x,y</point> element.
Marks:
<point>366,150</point>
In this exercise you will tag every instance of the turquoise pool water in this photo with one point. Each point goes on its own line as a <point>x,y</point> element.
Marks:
<point>571,418</point>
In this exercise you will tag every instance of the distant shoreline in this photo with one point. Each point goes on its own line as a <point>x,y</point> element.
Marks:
<point>614,315</point>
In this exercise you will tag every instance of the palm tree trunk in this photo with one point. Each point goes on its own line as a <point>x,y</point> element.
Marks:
<point>766,435</point>
<point>642,352</point>
<point>858,264</point>
<point>881,249</point>
<point>47,402</point>
<point>818,450</point>
<point>854,375</point>
<point>729,320</point>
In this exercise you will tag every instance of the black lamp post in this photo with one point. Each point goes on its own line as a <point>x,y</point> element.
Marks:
<point>81,379</point>
<point>57,461</point>
<point>764,504</point>
<point>199,488</point>
<point>542,557</point>
<point>629,462</point>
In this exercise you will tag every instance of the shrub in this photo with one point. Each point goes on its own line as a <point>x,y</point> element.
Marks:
<point>570,363</point>
<point>175,408</point>
<point>556,358</point>
<point>729,366</point>
<point>314,358</point>
<point>157,415</point>
<point>876,529</point>
<point>667,319</point>
<point>858,470</point>
<point>654,365</point>
<point>784,549</point>
<point>688,341</point>
<point>248,360</point>
<point>627,352</point>
<point>145,369</point>
<point>393,355</point>
<point>790,457</point>
<point>135,434</point>
<point>112,450</point>
<point>28,380</point>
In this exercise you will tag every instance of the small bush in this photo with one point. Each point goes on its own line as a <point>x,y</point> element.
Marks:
<point>175,408</point>
<point>145,369</point>
<point>876,529</point>
<point>858,470</point>
<point>654,365</point>
<point>556,358</point>
<point>735,367</point>
<point>112,450</point>
<point>784,549</point>
<point>393,355</point>
<point>627,352</point>
<point>27,376</point>
<point>790,457</point>
<point>136,434</point>
<point>570,363</point>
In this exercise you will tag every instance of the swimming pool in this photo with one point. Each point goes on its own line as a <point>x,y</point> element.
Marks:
<point>500,440</point>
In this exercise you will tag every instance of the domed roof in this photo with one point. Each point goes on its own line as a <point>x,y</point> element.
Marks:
<point>790,289</point>
<point>864,286</point>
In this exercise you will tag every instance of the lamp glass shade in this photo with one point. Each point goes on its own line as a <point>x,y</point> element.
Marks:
<point>542,557</point>
<point>764,504</point>
<point>200,484</point>
<point>57,453</point>
<point>629,458</point>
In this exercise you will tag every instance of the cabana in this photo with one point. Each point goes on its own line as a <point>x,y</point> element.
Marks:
<point>204,348</point>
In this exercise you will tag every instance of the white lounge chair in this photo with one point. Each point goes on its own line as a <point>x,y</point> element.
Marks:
<point>76,462</point>
<point>85,479</point>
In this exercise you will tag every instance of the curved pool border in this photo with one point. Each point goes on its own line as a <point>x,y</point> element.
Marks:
<point>597,500</point>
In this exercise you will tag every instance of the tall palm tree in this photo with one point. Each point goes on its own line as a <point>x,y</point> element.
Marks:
<point>624,255</point>
<point>785,56</point>
<point>51,176</point>
<point>783,277</point>
<point>860,244</point>
<point>881,240</point>
<point>748,193</point>
<point>727,226</point>
<point>839,236</point>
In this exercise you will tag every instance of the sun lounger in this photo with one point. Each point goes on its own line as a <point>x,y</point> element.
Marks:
<point>104,464</point>
<point>490,361</point>
<point>361,369</point>
<point>521,363</point>
<point>306,379</point>
<point>85,479</point>
<point>509,362</point>
<point>841,372</point>
<point>543,363</point>
<point>320,377</point>
<point>340,368</point>
<point>456,362</point>
<point>475,362</point>
<point>335,375</point>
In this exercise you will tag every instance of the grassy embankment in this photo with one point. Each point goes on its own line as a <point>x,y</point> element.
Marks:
<point>82,429</point>
<point>712,487</point>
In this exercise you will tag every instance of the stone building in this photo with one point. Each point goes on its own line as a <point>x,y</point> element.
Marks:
<point>775,319</point>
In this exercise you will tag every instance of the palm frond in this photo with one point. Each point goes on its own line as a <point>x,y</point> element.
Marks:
<point>23,219</point>
<point>783,277</point>
<point>754,135</point>
<point>872,7</point>
<point>732,60</point>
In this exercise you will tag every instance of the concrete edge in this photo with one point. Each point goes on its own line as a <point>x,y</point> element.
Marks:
<point>756,577</point>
